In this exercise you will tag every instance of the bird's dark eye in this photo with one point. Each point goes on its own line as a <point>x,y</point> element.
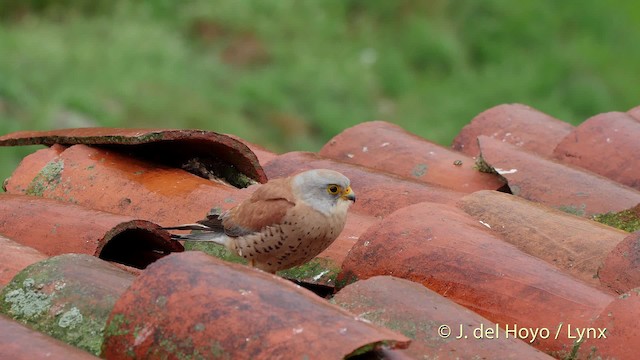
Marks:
<point>333,189</point>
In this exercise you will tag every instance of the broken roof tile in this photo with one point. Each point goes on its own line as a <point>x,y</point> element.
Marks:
<point>620,271</point>
<point>420,314</point>
<point>18,342</point>
<point>221,154</point>
<point>576,245</point>
<point>552,183</point>
<point>388,147</point>
<point>54,228</point>
<point>191,303</point>
<point>607,144</point>
<point>379,193</point>
<point>516,124</point>
<point>68,297</point>
<point>449,252</point>
<point>109,181</point>
<point>14,257</point>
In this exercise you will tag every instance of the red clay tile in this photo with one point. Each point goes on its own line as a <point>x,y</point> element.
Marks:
<point>607,144</point>
<point>379,193</point>
<point>423,315</point>
<point>515,124</point>
<point>14,257</point>
<point>54,228</point>
<point>68,297</point>
<point>18,342</point>
<point>635,112</point>
<point>388,147</point>
<point>620,319</point>
<point>165,146</point>
<point>109,181</point>
<point>444,249</point>
<point>620,270</point>
<point>576,245</point>
<point>191,303</point>
<point>554,184</point>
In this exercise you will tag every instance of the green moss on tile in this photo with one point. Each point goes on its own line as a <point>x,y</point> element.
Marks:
<point>369,348</point>
<point>214,249</point>
<point>34,297</point>
<point>579,210</point>
<point>47,179</point>
<point>627,220</point>
<point>318,270</point>
<point>482,166</point>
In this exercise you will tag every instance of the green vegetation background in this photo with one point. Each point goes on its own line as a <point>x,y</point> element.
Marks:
<point>290,74</point>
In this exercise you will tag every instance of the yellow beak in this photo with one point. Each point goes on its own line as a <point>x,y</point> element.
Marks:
<point>348,194</point>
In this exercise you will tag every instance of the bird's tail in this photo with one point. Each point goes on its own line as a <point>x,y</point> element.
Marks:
<point>202,233</point>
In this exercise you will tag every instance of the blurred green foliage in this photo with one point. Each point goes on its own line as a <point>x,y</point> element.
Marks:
<point>290,74</point>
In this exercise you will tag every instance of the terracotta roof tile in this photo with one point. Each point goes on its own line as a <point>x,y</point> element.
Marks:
<point>68,297</point>
<point>388,147</point>
<point>607,144</point>
<point>555,184</point>
<point>635,112</point>
<point>420,313</point>
<point>620,319</point>
<point>110,181</point>
<point>379,193</point>
<point>515,124</point>
<point>14,257</point>
<point>165,146</point>
<point>620,270</point>
<point>18,342</point>
<point>444,249</point>
<point>576,245</point>
<point>191,303</point>
<point>60,228</point>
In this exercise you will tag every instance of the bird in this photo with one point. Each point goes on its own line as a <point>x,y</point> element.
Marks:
<point>285,222</point>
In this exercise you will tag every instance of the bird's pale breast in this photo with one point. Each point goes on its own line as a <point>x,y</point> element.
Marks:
<point>302,234</point>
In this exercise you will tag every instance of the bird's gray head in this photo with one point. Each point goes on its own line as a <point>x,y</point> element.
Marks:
<point>324,189</point>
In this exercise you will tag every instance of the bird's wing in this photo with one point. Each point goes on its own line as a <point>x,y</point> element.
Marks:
<point>267,206</point>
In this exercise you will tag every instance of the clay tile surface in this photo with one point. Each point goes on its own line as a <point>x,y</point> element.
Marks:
<point>68,297</point>
<point>14,257</point>
<point>109,181</point>
<point>388,147</point>
<point>59,228</point>
<point>614,334</point>
<point>576,245</point>
<point>420,314</point>
<point>166,146</point>
<point>379,193</point>
<point>190,303</point>
<point>620,271</point>
<point>449,252</point>
<point>18,342</point>
<point>557,185</point>
<point>635,112</point>
<point>515,124</point>
<point>607,144</point>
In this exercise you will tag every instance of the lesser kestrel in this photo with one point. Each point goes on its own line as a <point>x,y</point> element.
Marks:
<point>286,222</point>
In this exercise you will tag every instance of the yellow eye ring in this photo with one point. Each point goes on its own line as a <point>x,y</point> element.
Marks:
<point>333,189</point>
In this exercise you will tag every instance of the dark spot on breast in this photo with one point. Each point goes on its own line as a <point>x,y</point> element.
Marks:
<point>280,243</point>
<point>270,247</point>
<point>291,247</point>
<point>299,239</point>
<point>279,262</point>
<point>270,264</point>
<point>258,251</point>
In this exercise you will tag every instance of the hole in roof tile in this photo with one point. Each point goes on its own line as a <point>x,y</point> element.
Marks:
<point>134,247</point>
